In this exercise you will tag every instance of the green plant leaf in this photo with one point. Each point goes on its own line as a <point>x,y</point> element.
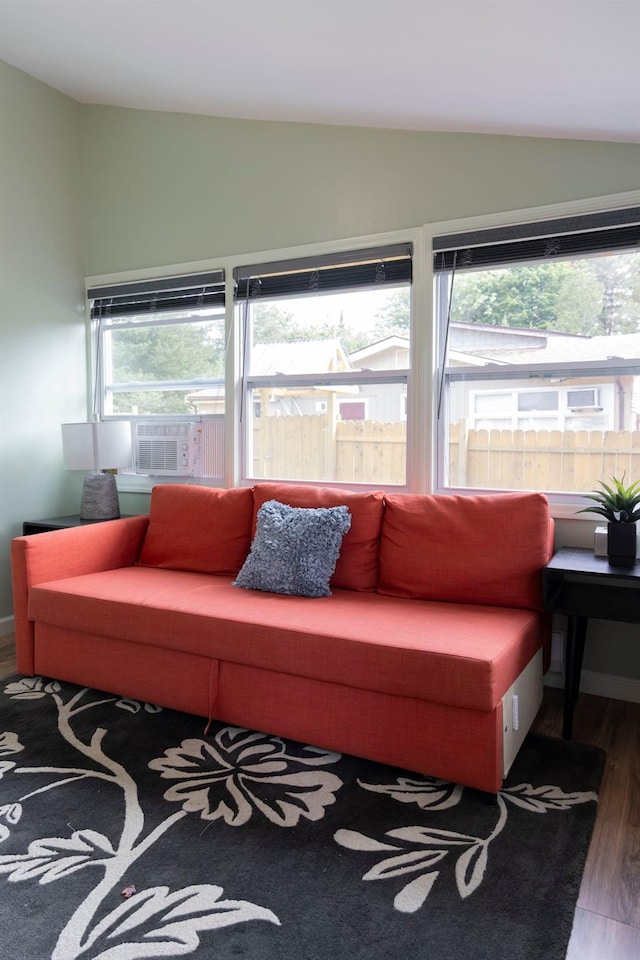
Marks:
<point>615,501</point>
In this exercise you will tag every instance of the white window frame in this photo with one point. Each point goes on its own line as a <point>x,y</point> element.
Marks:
<point>107,391</point>
<point>249,381</point>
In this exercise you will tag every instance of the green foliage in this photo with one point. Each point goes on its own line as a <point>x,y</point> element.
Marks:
<point>272,324</point>
<point>617,502</point>
<point>174,352</point>
<point>593,296</point>
<point>394,318</point>
<point>521,296</point>
<point>579,302</point>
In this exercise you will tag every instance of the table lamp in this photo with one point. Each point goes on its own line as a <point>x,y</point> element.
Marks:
<point>97,446</point>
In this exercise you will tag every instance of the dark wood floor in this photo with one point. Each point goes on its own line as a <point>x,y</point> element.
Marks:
<point>607,920</point>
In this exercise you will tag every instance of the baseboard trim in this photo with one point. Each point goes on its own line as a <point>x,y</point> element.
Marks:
<point>7,626</point>
<point>601,685</point>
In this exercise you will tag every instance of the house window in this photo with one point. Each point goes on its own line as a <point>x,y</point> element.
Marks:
<point>322,342</point>
<point>545,409</point>
<point>160,349</point>
<point>539,333</point>
<point>353,410</point>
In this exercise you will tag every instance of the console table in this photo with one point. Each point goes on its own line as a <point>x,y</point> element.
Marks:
<point>580,585</point>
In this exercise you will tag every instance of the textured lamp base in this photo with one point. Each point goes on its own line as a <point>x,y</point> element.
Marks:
<point>99,497</point>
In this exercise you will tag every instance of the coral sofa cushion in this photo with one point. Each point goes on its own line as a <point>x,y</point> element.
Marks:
<point>198,529</point>
<point>357,565</point>
<point>486,549</point>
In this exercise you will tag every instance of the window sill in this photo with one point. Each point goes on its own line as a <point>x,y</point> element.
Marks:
<point>131,483</point>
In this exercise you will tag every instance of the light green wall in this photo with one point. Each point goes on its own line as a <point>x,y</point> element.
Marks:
<point>162,188</point>
<point>42,354</point>
<point>166,188</point>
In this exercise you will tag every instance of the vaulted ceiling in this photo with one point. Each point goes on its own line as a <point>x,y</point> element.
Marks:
<point>550,68</point>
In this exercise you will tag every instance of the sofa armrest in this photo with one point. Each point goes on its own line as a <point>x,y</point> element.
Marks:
<point>67,553</point>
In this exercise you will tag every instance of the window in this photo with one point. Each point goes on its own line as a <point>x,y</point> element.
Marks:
<point>326,361</point>
<point>160,348</point>
<point>545,409</point>
<point>540,353</point>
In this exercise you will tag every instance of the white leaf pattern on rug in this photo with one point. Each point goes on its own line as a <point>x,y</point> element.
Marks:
<point>31,688</point>
<point>470,868</point>
<point>428,794</point>
<point>414,894</point>
<point>170,922</point>
<point>9,744</point>
<point>175,918</point>
<point>55,857</point>
<point>471,865</point>
<point>231,779</point>
<point>546,798</point>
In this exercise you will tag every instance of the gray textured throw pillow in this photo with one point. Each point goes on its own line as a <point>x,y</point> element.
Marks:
<point>295,549</point>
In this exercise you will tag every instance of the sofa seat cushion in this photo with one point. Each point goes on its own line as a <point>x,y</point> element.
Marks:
<point>357,565</point>
<point>457,654</point>
<point>487,549</point>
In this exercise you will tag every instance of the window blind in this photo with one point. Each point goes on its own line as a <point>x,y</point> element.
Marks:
<point>355,269</point>
<point>163,295</point>
<point>539,241</point>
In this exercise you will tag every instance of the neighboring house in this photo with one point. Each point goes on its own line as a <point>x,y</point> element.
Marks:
<point>391,353</point>
<point>290,357</point>
<point>579,404</point>
<point>384,402</point>
<point>584,403</point>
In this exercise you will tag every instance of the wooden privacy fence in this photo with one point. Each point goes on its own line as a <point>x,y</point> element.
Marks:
<point>571,460</point>
<point>316,448</point>
<point>364,451</point>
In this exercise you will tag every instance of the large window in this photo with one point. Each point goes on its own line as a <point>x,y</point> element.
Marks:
<point>326,363</point>
<point>540,351</point>
<point>160,346</point>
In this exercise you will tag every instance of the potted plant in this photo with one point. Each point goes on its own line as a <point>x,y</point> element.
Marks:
<point>620,505</point>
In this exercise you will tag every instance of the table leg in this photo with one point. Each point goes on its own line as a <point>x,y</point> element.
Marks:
<point>574,653</point>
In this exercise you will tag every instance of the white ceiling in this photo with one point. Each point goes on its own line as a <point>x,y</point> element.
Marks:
<point>550,68</point>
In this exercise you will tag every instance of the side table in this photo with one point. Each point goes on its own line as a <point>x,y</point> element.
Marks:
<point>56,523</point>
<point>580,585</point>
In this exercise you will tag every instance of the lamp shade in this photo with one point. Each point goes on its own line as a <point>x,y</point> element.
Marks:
<point>96,446</point>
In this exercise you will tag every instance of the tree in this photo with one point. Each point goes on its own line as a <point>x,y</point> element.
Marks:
<point>590,296</point>
<point>394,318</point>
<point>520,296</point>
<point>176,351</point>
<point>272,324</point>
<point>579,302</point>
<point>619,277</point>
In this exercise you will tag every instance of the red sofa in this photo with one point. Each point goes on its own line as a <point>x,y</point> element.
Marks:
<point>432,636</point>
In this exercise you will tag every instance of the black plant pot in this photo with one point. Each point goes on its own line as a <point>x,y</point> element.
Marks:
<point>621,544</point>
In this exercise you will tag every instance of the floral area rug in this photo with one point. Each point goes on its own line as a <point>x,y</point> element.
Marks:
<point>127,833</point>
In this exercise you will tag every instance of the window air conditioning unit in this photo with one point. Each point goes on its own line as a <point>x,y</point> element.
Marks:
<point>165,448</point>
<point>588,399</point>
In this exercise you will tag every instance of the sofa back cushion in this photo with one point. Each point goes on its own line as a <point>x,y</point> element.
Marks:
<point>198,529</point>
<point>357,565</point>
<point>487,549</point>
